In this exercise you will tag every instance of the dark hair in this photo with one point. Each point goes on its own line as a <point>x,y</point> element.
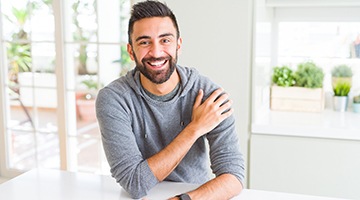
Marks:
<point>147,9</point>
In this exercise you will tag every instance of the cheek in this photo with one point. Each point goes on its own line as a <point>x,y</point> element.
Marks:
<point>139,54</point>
<point>172,51</point>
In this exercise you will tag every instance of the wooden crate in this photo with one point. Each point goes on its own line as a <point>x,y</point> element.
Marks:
<point>297,99</point>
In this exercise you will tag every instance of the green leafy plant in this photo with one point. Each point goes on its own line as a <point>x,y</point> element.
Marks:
<point>124,61</point>
<point>91,87</point>
<point>309,75</point>
<point>341,71</point>
<point>82,33</point>
<point>19,49</point>
<point>356,99</point>
<point>342,88</point>
<point>90,84</point>
<point>283,76</point>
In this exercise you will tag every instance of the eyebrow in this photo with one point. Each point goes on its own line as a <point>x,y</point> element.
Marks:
<point>148,37</point>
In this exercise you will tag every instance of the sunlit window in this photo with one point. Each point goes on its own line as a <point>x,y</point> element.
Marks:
<point>327,43</point>
<point>94,55</point>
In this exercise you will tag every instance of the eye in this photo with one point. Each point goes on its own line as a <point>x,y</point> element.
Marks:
<point>144,42</point>
<point>166,40</point>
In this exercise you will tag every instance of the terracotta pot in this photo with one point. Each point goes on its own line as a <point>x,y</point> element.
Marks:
<point>86,109</point>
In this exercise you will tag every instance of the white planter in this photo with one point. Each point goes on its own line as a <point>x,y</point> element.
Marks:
<point>356,107</point>
<point>297,99</point>
<point>340,103</point>
<point>38,88</point>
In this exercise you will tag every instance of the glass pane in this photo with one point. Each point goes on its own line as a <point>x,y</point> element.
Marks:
<point>89,157</point>
<point>43,58</point>
<point>19,60</point>
<point>110,63</point>
<point>28,150</point>
<point>82,20</point>
<point>21,150</point>
<point>16,19</point>
<point>328,44</point>
<point>38,89</point>
<point>42,21</point>
<point>318,39</point>
<point>109,32</point>
<point>20,117</point>
<point>48,150</point>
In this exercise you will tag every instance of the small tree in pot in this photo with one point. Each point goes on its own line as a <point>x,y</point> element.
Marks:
<point>341,90</point>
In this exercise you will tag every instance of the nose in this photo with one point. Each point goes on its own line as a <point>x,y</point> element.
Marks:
<point>156,50</point>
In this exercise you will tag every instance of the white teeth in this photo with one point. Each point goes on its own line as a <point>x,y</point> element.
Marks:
<point>159,63</point>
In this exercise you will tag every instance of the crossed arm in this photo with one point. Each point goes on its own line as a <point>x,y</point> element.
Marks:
<point>206,116</point>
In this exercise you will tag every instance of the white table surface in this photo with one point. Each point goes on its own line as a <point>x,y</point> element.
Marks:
<point>44,184</point>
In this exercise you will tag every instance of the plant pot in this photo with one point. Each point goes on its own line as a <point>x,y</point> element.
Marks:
<point>340,103</point>
<point>356,107</point>
<point>297,99</point>
<point>86,109</point>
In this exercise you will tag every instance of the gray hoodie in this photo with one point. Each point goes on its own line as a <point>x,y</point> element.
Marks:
<point>134,127</point>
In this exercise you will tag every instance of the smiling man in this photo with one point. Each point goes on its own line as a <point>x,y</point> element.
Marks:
<point>155,121</point>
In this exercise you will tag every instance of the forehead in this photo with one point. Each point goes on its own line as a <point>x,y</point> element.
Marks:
<point>153,27</point>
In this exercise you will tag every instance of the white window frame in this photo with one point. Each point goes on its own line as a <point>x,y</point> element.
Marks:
<point>66,127</point>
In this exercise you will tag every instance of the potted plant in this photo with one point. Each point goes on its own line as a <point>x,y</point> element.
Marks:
<point>341,73</point>
<point>309,75</point>
<point>19,53</point>
<point>298,91</point>
<point>356,104</point>
<point>283,76</point>
<point>85,101</point>
<point>341,90</point>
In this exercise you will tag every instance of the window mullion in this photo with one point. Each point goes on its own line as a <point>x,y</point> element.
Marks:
<point>60,72</point>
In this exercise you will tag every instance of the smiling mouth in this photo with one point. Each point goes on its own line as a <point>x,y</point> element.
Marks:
<point>157,64</point>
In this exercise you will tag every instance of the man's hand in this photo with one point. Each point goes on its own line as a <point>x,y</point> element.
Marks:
<point>207,115</point>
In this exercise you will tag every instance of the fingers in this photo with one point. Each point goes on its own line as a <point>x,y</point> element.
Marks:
<point>218,100</point>
<point>215,95</point>
<point>208,114</point>
<point>225,107</point>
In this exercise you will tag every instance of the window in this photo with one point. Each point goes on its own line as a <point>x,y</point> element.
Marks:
<point>287,33</point>
<point>328,44</point>
<point>47,71</point>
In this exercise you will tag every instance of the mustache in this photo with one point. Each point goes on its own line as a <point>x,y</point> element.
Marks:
<point>154,59</point>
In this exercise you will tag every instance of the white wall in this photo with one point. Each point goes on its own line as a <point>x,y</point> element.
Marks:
<point>217,41</point>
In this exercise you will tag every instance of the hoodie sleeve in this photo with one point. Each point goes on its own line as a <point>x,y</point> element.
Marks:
<point>225,154</point>
<point>127,164</point>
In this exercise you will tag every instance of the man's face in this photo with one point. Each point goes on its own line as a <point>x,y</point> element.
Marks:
<point>154,48</point>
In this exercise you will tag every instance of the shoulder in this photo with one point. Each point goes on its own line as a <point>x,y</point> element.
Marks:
<point>116,89</point>
<point>193,80</point>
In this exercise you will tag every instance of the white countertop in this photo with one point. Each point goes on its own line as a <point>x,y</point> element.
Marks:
<point>44,184</point>
<point>327,124</point>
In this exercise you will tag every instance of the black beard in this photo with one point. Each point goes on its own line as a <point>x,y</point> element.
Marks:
<point>157,77</point>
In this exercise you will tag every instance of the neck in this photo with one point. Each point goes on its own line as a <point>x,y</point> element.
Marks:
<point>163,88</point>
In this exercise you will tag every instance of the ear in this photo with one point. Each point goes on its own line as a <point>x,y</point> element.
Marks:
<point>130,51</point>
<point>179,44</point>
